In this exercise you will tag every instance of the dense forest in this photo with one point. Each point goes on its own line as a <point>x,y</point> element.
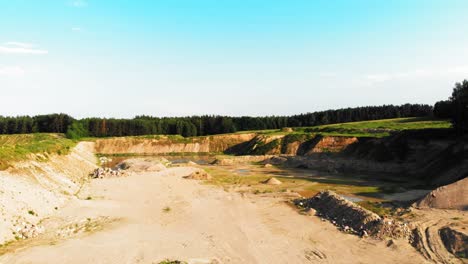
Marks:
<point>54,123</point>
<point>199,125</point>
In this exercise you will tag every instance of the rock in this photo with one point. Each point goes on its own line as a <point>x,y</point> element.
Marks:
<point>27,230</point>
<point>268,165</point>
<point>272,181</point>
<point>392,244</point>
<point>100,173</point>
<point>364,233</point>
<point>311,211</point>
<point>198,175</point>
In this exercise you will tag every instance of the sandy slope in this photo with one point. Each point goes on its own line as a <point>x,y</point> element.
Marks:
<point>41,187</point>
<point>203,224</point>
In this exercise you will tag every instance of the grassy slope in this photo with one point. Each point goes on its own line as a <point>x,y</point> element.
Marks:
<point>375,128</point>
<point>15,148</point>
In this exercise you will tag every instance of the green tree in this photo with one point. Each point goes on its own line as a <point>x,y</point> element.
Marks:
<point>459,100</point>
<point>76,131</point>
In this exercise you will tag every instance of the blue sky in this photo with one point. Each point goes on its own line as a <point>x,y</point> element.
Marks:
<point>123,58</point>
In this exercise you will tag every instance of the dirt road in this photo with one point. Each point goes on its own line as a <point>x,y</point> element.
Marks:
<point>149,217</point>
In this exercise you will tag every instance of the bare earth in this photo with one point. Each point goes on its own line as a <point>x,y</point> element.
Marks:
<point>152,216</point>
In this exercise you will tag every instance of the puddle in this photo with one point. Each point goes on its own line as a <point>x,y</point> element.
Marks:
<point>242,171</point>
<point>353,199</point>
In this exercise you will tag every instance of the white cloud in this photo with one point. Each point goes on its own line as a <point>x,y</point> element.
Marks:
<point>76,29</point>
<point>19,44</point>
<point>11,71</point>
<point>20,48</point>
<point>78,3</point>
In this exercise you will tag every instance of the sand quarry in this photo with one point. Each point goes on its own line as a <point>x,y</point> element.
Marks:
<point>154,212</point>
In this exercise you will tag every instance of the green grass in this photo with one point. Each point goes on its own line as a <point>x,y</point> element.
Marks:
<point>306,186</point>
<point>376,207</point>
<point>377,128</point>
<point>373,128</point>
<point>14,148</point>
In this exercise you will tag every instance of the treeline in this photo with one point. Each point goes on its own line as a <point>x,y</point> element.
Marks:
<point>455,108</point>
<point>54,123</point>
<point>199,125</point>
<point>211,125</point>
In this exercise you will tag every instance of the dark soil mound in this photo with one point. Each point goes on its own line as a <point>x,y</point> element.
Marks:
<point>455,242</point>
<point>353,218</point>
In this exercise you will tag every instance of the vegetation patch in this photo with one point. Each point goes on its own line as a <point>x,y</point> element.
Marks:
<point>294,181</point>
<point>265,148</point>
<point>378,128</point>
<point>376,207</point>
<point>14,148</point>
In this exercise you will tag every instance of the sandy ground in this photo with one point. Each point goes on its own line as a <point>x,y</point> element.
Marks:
<point>149,217</point>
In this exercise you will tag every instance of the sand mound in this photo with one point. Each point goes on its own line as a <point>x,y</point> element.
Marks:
<point>452,196</point>
<point>272,181</point>
<point>198,175</point>
<point>142,165</point>
<point>191,163</point>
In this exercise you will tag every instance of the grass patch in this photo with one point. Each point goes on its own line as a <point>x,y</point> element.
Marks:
<point>377,128</point>
<point>305,185</point>
<point>376,207</point>
<point>14,148</point>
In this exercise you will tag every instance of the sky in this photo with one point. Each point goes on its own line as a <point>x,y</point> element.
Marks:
<point>123,58</point>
